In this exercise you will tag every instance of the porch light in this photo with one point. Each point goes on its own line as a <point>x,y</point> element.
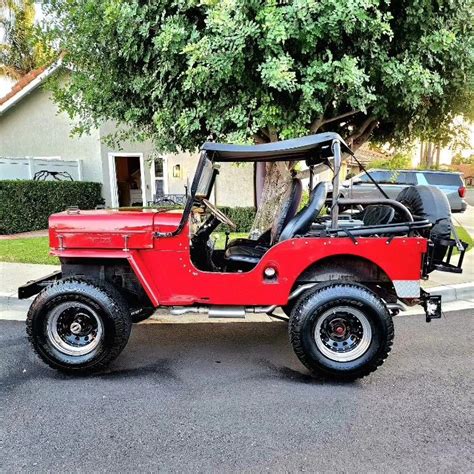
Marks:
<point>177,171</point>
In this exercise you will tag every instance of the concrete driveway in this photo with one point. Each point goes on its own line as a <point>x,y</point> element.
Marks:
<point>233,397</point>
<point>470,196</point>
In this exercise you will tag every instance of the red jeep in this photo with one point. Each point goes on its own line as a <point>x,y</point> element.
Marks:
<point>339,275</point>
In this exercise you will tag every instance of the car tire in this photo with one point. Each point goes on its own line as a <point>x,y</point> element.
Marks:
<point>432,204</point>
<point>77,326</point>
<point>341,331</point>
<point>287,309</point>
<point>138,315</point>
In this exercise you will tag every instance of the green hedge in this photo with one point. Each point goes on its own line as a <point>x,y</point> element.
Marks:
<point>27,205</point>
<point>242,216</point>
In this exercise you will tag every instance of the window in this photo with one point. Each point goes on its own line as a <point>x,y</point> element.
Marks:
<point>386,177</point>
<point>376,176</point>
<point>389,177</point>
<point>159,177</point>
<point>405,178</point>
<point>443,179</point>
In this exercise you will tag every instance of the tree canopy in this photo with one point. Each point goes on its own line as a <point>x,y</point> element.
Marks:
<point>22,47</point>
<point>178,71</point>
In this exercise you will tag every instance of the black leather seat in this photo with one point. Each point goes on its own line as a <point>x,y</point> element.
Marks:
<point>246,256</point>
<point>284,214</point>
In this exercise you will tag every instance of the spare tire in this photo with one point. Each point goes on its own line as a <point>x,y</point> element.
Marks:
<point>428,202</point>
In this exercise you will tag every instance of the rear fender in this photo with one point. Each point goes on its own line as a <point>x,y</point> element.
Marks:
<point>353,268</point>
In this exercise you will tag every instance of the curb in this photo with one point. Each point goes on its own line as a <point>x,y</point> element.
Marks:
<point>12,303</point>
<point>462,291</point>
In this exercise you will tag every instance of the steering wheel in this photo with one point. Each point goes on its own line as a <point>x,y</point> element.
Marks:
<point>219,215</point>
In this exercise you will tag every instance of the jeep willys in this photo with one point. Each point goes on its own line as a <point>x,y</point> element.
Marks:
<point>338,275</point>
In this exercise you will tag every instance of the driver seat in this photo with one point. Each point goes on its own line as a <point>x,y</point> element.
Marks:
<point>284,214</point>
<point>246,257</point>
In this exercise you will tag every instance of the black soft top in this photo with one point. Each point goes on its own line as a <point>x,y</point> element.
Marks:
<point>304,148</point>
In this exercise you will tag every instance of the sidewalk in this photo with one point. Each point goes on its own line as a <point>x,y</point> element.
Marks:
<point>25,235</point>
<point>452,287</point>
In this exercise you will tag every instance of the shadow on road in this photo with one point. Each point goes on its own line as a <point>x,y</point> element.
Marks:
<point>174,354</point>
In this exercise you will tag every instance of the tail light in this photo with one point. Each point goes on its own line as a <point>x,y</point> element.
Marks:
<point>462,191</point>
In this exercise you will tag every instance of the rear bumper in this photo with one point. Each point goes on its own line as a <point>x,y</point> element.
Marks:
<point>33,287</point>
<point>461,208</point>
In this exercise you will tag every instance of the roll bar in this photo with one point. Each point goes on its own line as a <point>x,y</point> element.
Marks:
<point>335,148</point>
<point>367,202</point>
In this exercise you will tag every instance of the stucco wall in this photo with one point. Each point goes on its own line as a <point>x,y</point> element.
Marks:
<point>235,185</point>
<point>187,163</point>
<point>34,128</point>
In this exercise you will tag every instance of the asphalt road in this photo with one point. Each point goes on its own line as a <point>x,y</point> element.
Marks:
<point>233,397</point>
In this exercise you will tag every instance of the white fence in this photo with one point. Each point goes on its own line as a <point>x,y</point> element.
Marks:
<point>26,168</point>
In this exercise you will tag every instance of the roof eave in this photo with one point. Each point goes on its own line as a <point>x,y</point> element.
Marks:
<point>31,86</point>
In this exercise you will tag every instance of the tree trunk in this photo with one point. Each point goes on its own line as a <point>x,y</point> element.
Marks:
<point>429,157</point>
<point>277,176</point>
<point>422,154</point>
<point>438,155</point>
<point>276,182</point>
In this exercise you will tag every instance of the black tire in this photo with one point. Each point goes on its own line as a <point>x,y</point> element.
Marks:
<point>314,311</point>
<point>89,307</point>
<point>287,309</point>
<point>430,203</point>
<point>140,314</point>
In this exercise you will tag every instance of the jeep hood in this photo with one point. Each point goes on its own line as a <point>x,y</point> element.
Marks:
<point>112,229</point>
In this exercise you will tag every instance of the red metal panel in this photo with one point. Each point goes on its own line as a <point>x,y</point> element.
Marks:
<point>170,278</point>
<point>108,229</point>
<point>175,280</point>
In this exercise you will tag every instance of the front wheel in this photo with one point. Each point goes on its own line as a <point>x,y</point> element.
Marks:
<point>77,326</point>
<point>343,331</point>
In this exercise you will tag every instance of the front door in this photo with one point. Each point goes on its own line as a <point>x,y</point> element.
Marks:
<point>127,180</point>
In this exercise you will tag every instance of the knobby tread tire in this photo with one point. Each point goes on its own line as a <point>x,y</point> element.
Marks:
<point>141,314</point>
<point>103,295</point>
<point>339,291</point>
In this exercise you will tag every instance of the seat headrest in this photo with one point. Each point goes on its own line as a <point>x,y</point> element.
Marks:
<point>302,221</point>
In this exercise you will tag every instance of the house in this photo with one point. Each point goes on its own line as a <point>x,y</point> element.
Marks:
<point>36,138</point>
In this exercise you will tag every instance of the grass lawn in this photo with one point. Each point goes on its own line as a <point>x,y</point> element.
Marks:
<point>36,250</point>
<point>465,237</point>
<point>220,238</point>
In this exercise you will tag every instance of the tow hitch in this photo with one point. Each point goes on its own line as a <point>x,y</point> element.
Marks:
<point>432,305</point>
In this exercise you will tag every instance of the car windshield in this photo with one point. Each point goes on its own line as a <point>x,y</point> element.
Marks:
<point>205,180</point>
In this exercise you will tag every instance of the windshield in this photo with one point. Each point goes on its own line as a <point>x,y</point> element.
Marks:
<point>205,181</point>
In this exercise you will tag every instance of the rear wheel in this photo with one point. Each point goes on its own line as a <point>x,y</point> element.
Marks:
<point>341,330</point>
<point>76,326</point>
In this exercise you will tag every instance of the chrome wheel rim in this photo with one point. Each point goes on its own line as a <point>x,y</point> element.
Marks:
<point>343,334</point>
<point>74,329</point>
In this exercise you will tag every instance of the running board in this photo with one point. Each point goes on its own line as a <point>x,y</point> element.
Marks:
<point>221,311</point>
